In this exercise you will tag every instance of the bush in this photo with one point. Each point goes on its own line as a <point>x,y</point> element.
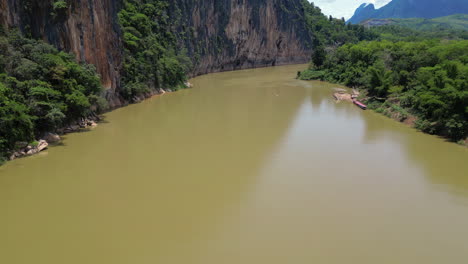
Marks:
<point>59,9</point>
<point>310,74</point>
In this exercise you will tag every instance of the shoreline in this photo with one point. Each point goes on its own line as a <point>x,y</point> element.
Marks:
<point>408,119</point>
<point>27,149</point>
<point>94,119</point>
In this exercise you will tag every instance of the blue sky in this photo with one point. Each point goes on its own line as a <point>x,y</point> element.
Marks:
<point>344,8</point>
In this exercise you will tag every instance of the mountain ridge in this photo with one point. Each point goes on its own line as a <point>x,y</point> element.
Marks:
<point>410,9</point>
<point>452,22</point>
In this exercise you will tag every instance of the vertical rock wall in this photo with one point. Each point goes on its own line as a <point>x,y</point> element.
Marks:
<point>238,34</point>
<point>219,35</point>
<point>88,28</point>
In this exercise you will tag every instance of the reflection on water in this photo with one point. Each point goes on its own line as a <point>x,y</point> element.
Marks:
<point>248,167</point>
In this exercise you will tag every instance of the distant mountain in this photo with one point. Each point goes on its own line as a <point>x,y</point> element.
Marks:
<point>410,9</point>
<point>453,22</point>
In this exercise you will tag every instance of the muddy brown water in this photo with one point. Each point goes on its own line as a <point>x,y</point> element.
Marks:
<point>247,167</point>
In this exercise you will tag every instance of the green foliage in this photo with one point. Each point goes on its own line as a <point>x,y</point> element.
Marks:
<point>430,77</point>
<point>59,5</point>
<point>329,31</point>
<point>59,9</point>
<point>453,23</point>
<point>400,32</point>
<point>41,89</point>
<point>35,143</point>
<point>311,74</point>
<point>319,55</point>
<point>151,56</point>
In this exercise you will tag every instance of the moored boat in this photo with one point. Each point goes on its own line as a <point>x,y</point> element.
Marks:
<point>360,105</point>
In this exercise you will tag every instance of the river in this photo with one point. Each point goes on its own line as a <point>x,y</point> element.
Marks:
<point>247,167</point>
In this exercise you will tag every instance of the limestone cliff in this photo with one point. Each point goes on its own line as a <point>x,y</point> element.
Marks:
<point>89,29</point>
<point>218,34</point>
<point>238,34</point>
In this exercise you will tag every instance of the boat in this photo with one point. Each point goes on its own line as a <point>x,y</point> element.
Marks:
<point>360,105</point>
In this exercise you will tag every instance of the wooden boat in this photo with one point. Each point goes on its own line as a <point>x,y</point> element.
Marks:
<point>360,105</point>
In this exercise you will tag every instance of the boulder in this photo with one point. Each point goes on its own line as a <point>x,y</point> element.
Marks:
<point>42,145</point>
<point>91,123</point>
<point>13,156</point>
<point>52,138</point>
<point>188,85</point>
<point>32,151</point>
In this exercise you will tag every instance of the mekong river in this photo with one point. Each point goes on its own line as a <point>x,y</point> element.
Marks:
<point>248,167</point>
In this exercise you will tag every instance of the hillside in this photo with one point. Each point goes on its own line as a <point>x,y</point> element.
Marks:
<point>64,61</point>
<point>410,9</point>
<point>453,22</point>
<point>135,45</point>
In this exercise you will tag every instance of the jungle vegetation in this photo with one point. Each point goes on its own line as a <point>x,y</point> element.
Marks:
<point>422,73</point>
<point>41,89</point>
<point>151,57</point>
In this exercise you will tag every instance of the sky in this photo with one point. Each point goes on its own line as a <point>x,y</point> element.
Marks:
<point>344,8</point>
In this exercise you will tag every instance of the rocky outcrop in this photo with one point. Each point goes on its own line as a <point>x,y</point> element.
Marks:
<point>230,35</point>
<point>219,35</point>
<point>30,150</point>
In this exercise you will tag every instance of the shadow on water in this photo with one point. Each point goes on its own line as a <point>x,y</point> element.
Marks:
<point>158,177</point>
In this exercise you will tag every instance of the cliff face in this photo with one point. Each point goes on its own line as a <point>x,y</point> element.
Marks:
<point>238,34</point>
<point>218,34</point>
<point>89,29</point>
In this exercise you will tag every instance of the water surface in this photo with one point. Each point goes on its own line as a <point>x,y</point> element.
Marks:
<point>248,167</point>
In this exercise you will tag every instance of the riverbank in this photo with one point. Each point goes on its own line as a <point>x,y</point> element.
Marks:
<point>389,108</point>
<point>428,79</point>
<point>26,149</point>
<point>218,155</point>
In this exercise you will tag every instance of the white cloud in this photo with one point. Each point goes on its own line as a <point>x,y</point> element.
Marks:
<point>344,8</point>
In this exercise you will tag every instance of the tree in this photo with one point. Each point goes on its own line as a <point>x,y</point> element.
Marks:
<point>318,56</point>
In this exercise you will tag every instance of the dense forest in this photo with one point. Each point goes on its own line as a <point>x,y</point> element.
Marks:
<point>405,72</point>
<point>453,22</point>
<point>329,32</point>
<point>151,57</point>
<point>41,89</point>
<point>401,69</point>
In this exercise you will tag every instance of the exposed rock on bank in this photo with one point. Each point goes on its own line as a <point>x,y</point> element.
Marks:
<point>83,123</point>
<point>52,138</point>
<point>30,149</point>
<point>343,95</point>
<point>27,149</point>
